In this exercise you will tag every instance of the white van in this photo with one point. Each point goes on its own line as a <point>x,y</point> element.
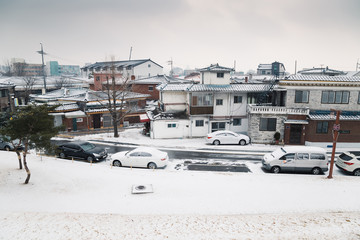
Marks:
<point>297,159</point>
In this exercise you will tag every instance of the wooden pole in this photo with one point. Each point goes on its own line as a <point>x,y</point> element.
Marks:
<point>336,129</point>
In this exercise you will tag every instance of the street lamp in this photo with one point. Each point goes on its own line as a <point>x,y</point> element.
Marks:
<point>43,66</point>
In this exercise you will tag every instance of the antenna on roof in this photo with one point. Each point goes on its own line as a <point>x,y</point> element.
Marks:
<point>357,65</point>
<point>295,66</point>
<point>130,53</point>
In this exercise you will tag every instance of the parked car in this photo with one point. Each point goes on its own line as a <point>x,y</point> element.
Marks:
<point>140,157</point>
<point>297,159</point>
<point>82,150</point>
<point>227,137</point>
<point>8,146</point>
<point>349,162</point>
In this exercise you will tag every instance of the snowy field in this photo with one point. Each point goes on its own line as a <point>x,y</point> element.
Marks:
<point>78,200</point>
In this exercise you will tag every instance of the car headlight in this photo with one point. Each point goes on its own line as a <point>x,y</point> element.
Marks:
<point>96,155</point>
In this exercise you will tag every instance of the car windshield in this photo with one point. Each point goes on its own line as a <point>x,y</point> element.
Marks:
<point>345,157</point>
<point>87,146</point>
<point>278,153</point>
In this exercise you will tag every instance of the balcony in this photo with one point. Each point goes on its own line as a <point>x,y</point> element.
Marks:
<point>201,110</point>
<point>253,109</point>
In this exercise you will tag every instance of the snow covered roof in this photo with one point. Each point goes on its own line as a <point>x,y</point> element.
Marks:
<point>215,88</point>
<point>321,71</point>
<point>159,79</point>
<point>323,78</point>
<point>215,68</point>
<point>118,64</point>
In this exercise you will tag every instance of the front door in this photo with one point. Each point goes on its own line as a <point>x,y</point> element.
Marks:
<point>295,133</point>
<point>96,120</point>
<point>74,124</point>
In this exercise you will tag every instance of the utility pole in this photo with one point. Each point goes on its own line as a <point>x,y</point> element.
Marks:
<point>336,129</point>
<point>130,53</point>
<point>43,66</point>
<point>171,63</point>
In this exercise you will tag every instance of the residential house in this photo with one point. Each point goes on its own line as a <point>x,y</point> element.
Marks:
<point>131,69</point>
<point>194,110</point>
<point>308,115</point>
<point>6,97</point>
<point>148,85</point>
<point>321,71</point>
<point>81,109</point>
<point>275,69</point>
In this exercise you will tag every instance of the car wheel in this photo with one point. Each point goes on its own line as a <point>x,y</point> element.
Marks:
<point>275,169</point>
<point>216,142</point>
<point>316,171</point>
<point>357,172</point>
<point>90,159</point>
<point>152,165</point>
<point>116,163</point>
<point>242,142</point>
<point>62,155</point>
<point>7,148</point>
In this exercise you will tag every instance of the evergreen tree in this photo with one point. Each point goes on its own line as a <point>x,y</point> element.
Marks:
<point>34,127</point>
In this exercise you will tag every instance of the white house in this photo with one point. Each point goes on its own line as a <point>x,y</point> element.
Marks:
<point>213,105</point>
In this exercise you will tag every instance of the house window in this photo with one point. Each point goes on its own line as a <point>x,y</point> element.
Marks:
<point>215,126</point>
<point>237,99</point>
<point>219,102</point>
<point>151,88</point>
<point>171,125</point>
<point>267,124</point>
<point>149,65</point>
<point>201,100</point>
<point>237,122</point>
<point>339,97</point>
<point>97,78</point>
<point>199,123</point>
<point>301,96</point>
<point>359,98</point>
<point>220,75</point>
<point>322,127</point>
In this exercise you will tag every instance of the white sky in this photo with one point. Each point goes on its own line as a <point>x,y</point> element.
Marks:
<point>194,33</point>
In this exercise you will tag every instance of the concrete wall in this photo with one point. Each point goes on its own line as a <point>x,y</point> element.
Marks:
<point>147,69</point>
<point>211,78</point>
<point>160,129</point>
<point>315,98</point>
<point>258,136</point>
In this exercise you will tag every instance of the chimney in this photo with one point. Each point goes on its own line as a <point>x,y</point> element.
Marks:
<point>132,77</point>
<point>246,79</point>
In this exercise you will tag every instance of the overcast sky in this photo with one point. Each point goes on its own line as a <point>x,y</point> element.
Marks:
<point>193,33</point>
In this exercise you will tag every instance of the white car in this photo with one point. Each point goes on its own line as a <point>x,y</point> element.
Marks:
<point>349,162</point>
<point>140,157</point>
<point>227,137</point>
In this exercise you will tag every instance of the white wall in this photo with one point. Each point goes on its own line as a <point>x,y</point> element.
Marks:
<point>147,69</point>
<point>174,100</point>
<point>211,78</point>
<point>199,131</point>
<point>160,129</point>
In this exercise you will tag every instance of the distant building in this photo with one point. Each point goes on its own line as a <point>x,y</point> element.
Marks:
<point>54,69</point>
<point>275,68</point>
<point>130,69</point>
<point>321,71</point>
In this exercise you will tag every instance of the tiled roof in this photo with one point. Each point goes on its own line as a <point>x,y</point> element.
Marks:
<point>331,117</point>
<point>215,68</point>
<point>159,79</point>
<point>215,88</point>
<point>341,78</point>
<point>118,64</point>
<point>67,107</point>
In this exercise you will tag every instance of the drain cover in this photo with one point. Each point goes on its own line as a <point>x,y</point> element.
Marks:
<point>143,188</point>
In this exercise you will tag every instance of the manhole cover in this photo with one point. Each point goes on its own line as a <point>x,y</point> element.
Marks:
<point>143,188</point>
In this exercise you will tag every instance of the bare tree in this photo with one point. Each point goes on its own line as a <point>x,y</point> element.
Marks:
<point>114,93</point>
<point>63,82</point>
<point>29,84</point>
<point>7,72</point>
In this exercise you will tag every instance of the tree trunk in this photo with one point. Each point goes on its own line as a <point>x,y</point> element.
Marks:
<point>26,167</point>
<point>19,157</point>
<point>116,132</point>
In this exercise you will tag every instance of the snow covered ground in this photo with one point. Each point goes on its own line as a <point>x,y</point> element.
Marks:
<point>78,200</point>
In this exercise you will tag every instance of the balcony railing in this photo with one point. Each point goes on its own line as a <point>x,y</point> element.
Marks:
<point>201,110</point>
<point>277,110</point>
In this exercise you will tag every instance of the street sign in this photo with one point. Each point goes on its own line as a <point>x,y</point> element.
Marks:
<point>336,127</point>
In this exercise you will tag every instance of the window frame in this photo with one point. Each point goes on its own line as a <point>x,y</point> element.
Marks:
<point>219,102</point>
<point>237,97</point>
<point>303,95</point>
<point>220,75</point>
<point>199,123</point>
<point>269,125</point>
<point>238,120</point>
<point>321,129</point>
<point>335,97</point>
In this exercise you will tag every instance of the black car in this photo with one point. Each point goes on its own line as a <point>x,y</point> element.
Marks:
<point>82,150</point>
